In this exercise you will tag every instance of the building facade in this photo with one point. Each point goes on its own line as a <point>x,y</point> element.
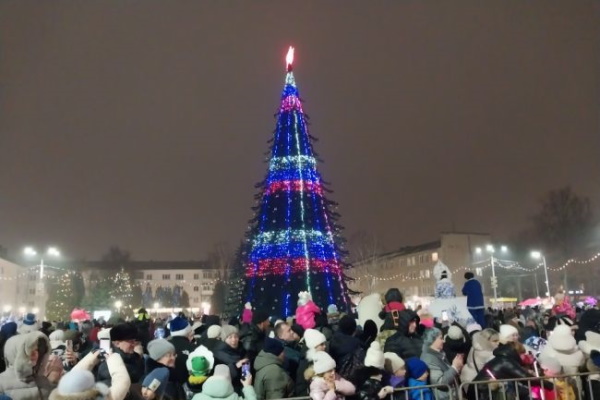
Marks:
<point>410,268</point>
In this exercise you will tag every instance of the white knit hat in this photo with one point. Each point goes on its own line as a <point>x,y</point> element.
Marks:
<point>506,331</point>
<point>393,362</point>
<point>213,331</point>
<point>562,339</point>
<point>323,362</point>
<point>81,383</point>
<point>455,333</point>
<point>473,327</point>
<point>374,357</point>
<point>313,338</point>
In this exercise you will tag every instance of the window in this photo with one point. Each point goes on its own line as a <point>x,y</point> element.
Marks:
<point>196,276</point>
<point>427,273</point>
<point>149,277</point>
<point>178,277</point>
<point>206,286</point>
<point>403,262</point>
<point>32,291</point>
<point>479,271</point>
<point>207,275</point>
<point>195,300</point>
<point>421,259</point>
<point>196,288</point>
<point>434,256</point>
<point>32,277</point>
<point>166,277</point>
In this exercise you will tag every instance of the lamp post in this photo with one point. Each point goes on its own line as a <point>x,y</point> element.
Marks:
<point>494,280</point>
<point>30,252</point>
<point>538,255</point>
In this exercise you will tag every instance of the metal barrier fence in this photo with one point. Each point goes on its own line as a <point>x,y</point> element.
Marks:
<point>560,387</point>
<point>425,392</point>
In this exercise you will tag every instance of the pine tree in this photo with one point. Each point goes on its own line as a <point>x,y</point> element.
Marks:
<point>295,241</point>
<point>234,282</point>
<point>61,300</point>
<point>121,288</point>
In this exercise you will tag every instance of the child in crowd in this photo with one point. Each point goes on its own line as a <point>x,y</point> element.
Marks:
<point>373,386</point>
<point>396,369</point>
<point>326,384</point>
<point>418,375</point>
<point>563,390</point>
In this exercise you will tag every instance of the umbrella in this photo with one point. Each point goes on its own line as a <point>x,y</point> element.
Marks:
<point>530,302</point>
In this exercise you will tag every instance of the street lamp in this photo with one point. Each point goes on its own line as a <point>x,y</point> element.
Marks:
<point>538,255</point>
<point>490,249</point>
<point>31,252</point>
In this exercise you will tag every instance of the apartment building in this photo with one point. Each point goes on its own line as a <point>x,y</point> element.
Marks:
<point>410,268</point>
<point>12,277</point>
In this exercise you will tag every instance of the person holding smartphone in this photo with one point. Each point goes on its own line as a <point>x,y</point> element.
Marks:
<point>441,372</point>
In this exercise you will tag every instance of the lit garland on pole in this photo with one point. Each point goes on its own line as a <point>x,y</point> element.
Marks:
<point>294,239</point>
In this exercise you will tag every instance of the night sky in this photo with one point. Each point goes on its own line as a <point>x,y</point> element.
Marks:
<point>144,123</point>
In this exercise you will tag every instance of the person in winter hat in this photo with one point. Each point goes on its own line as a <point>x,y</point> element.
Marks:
<point>314,341</point>
<point>123,342</point>
<point>482,350</point>
<point>325,383</point>
<point>29,324</point>
<point>373,386</point>
<point>306,310</point>
<point>247,313</point>
<point>561,346</point>
<point>456,341</point>
<point>219,386</point>
<point>181,337</point>
<point>80,385</point>
<point>475,302</point>
<point>407,341</point>
<point>160,364</point>
<point>508,333</point>
<point>252,336</point>
<point>393,305</point>
<point>31,369</point>
<point>395,368</point>
<point>199,363</point>
<point>417,373</point>
<point>441,370</point>
<point>272,381</point>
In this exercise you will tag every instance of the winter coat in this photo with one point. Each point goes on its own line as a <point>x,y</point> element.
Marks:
<point>134,363</point>
<point>21,380</point>
<point>305,315</point>
<point>252,340</point>
<point>173,389</point>
<point>404,344</point>
<point>271,380</point>
<point>369,389</point>
<point>570,360</point>
<point>419,394</point>
<point>341,345</point>
<point>221,388</point>
<point>301,387</point>
<point>209,343</point>
<point>481,352</point>
<point>120,381</point>
<point>440,372</point>
<point>183,348</point>
<point>319,390</point>
<point>472,289</point>
<point>225,354</point>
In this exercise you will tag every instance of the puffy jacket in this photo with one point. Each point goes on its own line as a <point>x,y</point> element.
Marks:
<point>419,394</point>
<point>252,340</point>
<point>341,345</point>
<point>305,315</point>
<point>369,389</point>
<point>440,372</point>
<point>134,363</point>
<point>225,354</point>
<point>403,343</point>
<point>21,380</point>
<point>120,381</point>
<point>221,388</point>
<point>271,380</point>
<point>319,390</point>
<point>183,348</point>
<point>481,352</point>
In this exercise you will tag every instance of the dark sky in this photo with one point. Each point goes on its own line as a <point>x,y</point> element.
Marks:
<point>144,123</point>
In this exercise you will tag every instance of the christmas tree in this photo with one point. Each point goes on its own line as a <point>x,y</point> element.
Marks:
<point>295,242</point>
<point>121,288</point>
<point>62,297</point>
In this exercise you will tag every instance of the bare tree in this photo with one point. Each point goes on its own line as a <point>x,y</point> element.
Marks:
<point>364,248</point>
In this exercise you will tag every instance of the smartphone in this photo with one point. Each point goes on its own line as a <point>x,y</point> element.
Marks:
<point>159,333</point>
<point>245,370</point>
<point>444,315</point>
<point>69,345</point>
<point>104,345</point>
<point>154,385</point>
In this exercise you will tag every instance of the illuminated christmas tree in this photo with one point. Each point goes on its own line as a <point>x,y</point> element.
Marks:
<point>121,288</point>
<point>294,240</point>
<point>62,298</point>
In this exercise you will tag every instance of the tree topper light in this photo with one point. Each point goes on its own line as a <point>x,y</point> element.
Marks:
<point>289,59</point>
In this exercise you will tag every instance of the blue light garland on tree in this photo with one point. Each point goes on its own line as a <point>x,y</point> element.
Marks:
<point>294,240</point>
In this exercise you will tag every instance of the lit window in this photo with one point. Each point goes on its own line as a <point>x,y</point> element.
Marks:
<point>434,256</point>
<point>479,271</point>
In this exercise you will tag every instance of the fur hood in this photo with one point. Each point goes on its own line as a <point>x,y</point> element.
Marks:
<point>99,392</point>
<point>480,343</point>
<point>17,351</point>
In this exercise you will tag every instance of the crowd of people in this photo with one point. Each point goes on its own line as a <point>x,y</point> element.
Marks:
<point>318,353</point>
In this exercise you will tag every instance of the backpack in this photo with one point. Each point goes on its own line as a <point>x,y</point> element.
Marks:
<point>352,364</point>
